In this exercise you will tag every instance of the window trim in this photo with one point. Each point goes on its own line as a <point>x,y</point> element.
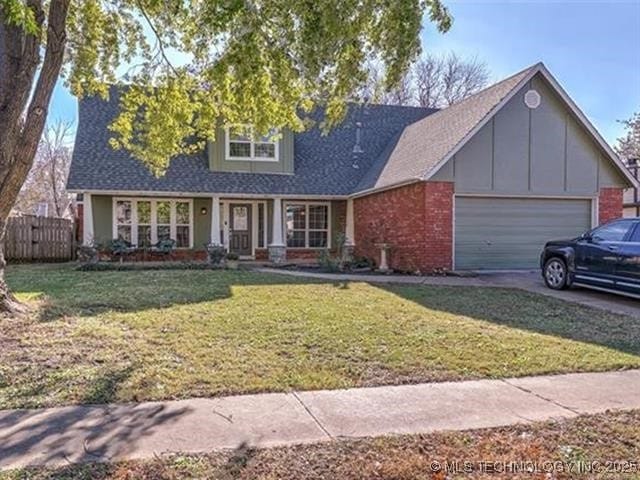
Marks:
<point>154,232</point>
<point>306,226</point>
<point>252,144</point>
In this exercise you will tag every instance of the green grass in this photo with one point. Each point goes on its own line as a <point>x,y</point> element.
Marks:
<point>558,449</point>
<point>129,336</point>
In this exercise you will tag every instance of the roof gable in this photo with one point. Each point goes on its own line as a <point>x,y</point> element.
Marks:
<point>426,145</point>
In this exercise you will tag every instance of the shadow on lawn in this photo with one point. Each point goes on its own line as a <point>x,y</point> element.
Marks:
<point>81,434</point>
<point>91,293</point>
<point>529,311</point>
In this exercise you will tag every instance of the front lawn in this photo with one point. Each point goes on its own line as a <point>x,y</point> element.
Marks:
<point>606,445</point>
<point>130,336</point>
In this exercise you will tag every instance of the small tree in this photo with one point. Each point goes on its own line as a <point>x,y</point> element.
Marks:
<point>46,182</point>
<point>245,61</point>
<point>628,146</point>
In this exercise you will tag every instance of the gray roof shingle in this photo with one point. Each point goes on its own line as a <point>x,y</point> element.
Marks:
<point>423,144</point>
<point>400,144</point>
<point>323,164</point>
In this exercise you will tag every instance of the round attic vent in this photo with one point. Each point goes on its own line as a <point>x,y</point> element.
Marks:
<point>532,99</point>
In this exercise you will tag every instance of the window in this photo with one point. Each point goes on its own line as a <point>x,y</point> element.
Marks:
<point>307,225</point>
<point>183,224</point>
<point>242,145</point>
<point>123,220</point>
<point>612,232</point>
<point>635,236</point>
<point>144,222</point>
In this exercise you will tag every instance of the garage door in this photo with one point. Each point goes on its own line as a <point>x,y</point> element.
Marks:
<point>505,233</point>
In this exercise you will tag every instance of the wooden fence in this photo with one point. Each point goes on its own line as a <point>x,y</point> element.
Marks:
<point>39,239</point>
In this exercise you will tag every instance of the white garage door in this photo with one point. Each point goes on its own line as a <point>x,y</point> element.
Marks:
<point>504,233</point>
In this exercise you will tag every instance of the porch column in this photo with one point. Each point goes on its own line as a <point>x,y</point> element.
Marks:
<point>215,221</point>
<point>87,220</point>
<point>350,234</point>
<point>277,249</point>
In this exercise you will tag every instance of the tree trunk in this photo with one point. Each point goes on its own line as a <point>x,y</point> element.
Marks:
<point>23,110</point>
<point>8,302</point>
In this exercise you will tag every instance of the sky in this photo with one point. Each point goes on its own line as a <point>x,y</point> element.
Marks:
<point>591,47</point>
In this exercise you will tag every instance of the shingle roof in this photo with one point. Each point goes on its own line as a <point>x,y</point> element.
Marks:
<point>423,144</point>
<point>323,164</point>
<point>400,144</point>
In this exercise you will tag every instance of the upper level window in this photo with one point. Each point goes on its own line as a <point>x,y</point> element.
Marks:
<point>241,144</point>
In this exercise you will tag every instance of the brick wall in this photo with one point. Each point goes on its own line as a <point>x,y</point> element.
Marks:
<point>609,204</point>
<point>416,220</point>
<point>262,254</point>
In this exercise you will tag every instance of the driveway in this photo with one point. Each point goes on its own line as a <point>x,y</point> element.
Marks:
<point>532,282</point>
<point>526,280</point>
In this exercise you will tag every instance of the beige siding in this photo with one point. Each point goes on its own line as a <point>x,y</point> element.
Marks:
<point>542,151</point>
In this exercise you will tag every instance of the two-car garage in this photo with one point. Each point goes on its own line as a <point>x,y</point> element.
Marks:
<point>501,233</point>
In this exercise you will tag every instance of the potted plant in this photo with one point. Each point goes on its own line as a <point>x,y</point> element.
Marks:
<point>232,261</point>
<point>216,254</point>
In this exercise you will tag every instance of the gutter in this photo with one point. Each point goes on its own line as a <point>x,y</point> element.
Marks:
<point>138,193</point>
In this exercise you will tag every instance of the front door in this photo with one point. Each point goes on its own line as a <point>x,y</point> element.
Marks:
<point>240,228</point>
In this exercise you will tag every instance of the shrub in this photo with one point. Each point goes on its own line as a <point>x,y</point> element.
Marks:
<point>328,262</point>
<point>127,267</point>
<point>216,254</point>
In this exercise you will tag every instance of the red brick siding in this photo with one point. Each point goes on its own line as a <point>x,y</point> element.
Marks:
<point>262,254</point>
<point>438,226</point>
<point>609,204</point>
<point>416,220</point>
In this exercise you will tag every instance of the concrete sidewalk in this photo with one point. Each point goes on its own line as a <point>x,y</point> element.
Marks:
<point>530,281</point>
<point>103,433</point>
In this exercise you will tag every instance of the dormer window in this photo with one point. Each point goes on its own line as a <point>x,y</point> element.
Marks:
<point>241,144</point>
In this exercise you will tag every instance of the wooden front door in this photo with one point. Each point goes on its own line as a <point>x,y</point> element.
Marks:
<point>240,228</point>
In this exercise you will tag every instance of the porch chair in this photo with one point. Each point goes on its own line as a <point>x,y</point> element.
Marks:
<point>122,248</point>
<point>164,248</point>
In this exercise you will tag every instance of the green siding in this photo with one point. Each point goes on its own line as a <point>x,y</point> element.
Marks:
<point>201,223</point>
<point>541,151</point>
<point>102,218</point>
<point>338,219</point>
<point>217,161</point>
<point>510,233</point>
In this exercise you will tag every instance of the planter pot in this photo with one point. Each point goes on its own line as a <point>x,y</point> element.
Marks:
<point>232,264</point>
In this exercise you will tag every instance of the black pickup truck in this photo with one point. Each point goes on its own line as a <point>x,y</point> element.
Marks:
<point>606,258</point>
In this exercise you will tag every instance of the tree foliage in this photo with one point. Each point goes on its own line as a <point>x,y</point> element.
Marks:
<point>188,65</point>
<point>193,63</point>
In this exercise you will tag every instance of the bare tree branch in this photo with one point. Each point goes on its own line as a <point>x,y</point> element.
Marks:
<point>433,82</point>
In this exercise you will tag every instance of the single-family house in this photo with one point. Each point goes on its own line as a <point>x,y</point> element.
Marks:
<point>480,184</point>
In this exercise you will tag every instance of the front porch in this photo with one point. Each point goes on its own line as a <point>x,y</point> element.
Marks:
<point>275,230</point>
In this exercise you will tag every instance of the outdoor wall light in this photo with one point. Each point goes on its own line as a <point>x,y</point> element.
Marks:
<point>203,210</point>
